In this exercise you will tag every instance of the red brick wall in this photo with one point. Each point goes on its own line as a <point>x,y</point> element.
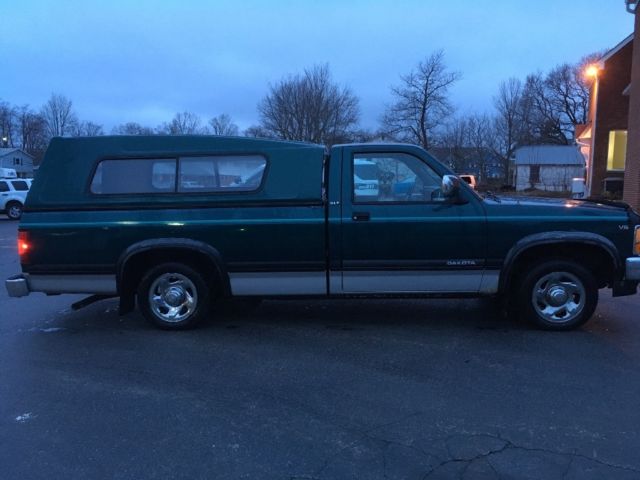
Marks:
<point>612,112</point>
<point>632,170</point>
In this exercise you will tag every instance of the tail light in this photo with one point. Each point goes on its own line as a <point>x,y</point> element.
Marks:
<point>23,243</point>
<point>636,241</point>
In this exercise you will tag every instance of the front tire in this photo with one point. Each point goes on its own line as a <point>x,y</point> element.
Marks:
<point>14,210</point>
<point>558,295</point>
<point>174,296</point>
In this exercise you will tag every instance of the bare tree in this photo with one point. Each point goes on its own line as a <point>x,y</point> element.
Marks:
<point>552,104</point>
<point>7,125</point>
<point>542,122</point>
<point>508,125</point>
<point>223,125</point>
<point>568,90</point>
<point>309,107</point>
<point>31,131</point>
<point>131,128</point>
<point>421,101</point>
<point>454,140</point>
<point>185,123</point>
<point>86,129</point>
<point>479,139</point>
<point>257,131</point>
<point>58,115</point>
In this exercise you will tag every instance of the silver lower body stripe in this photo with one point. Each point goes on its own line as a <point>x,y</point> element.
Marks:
<point>461,281</point>
<point>98,284</point>
<point>278,283</point>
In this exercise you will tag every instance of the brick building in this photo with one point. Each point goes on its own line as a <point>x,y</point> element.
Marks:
<point>604,138</point>
<point>632,171</point>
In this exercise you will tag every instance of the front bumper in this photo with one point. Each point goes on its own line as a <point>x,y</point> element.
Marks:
<point>629,284</point>
<point>632,269</point>
<point>17,286</point>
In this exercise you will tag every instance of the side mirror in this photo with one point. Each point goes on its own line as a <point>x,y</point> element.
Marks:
<point>450,186</point>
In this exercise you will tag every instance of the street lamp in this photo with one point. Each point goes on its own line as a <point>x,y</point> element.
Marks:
<point>592,72</point>
<point>5,141</point>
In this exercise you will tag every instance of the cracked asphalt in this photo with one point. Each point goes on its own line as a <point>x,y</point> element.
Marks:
<point>315,390</point>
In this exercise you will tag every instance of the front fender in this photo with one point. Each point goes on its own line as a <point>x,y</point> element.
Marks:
<point>556,238</point>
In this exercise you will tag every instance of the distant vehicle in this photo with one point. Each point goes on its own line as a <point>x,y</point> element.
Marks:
<point>469,179</point>
<point>366,180</point>
<point>13,194</point>
<point>8,173</point>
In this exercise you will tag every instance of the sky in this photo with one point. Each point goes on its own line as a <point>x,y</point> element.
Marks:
<point>143,60</point>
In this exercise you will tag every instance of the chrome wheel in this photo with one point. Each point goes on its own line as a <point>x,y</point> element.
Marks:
<point>14,212</point>
<point>559,297</point>
<point>173,297</point>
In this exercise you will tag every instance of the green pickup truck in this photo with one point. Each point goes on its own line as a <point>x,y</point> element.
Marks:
<point>176,223</point>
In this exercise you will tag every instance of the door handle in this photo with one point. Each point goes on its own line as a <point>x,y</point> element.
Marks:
<point>360,216</point>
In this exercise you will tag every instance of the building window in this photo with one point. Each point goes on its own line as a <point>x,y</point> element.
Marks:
<point>16,161</point>
<point>534,174</point>
<point>617,150</point>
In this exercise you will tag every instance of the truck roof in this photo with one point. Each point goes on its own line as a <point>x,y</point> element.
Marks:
<point>69,164</point>
<point>181,141</point>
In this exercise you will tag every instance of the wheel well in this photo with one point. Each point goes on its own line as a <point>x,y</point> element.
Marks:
<point>11,202</point>
<point>592,257</point>
<point>134,268</point>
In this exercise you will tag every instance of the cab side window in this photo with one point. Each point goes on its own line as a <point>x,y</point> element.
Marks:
<point>4,187</point>
<point>394,177</point>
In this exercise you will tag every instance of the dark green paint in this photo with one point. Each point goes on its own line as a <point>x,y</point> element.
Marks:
<point>284,221</point>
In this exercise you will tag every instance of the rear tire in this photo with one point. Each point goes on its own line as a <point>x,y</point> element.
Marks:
<point>14,210</point>
<point>174,296</point>
<point>557,295</point>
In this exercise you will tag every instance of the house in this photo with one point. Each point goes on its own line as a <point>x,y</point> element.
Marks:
<point>603,140</point>
<point>632,167</point>
<point>548,167</point>
<point>18,160</point>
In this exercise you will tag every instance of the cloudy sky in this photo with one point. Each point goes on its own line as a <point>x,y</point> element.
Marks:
<point>143,60</point>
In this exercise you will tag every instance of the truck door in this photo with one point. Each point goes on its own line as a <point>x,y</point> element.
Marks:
<point>399,234</point>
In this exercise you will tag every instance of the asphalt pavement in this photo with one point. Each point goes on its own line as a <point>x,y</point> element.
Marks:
<point>315,390</point>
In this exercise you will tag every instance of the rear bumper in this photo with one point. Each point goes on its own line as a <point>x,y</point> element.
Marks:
<point>17,286</point>
<point>23,284</point>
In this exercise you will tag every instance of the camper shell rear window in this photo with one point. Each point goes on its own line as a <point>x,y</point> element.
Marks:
<point>182,174</point>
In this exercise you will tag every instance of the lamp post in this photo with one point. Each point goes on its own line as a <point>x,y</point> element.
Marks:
<point>5,141</point>
<point>592,72</point>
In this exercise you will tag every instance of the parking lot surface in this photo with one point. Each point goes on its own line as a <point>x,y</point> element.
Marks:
<point>315,389</point>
